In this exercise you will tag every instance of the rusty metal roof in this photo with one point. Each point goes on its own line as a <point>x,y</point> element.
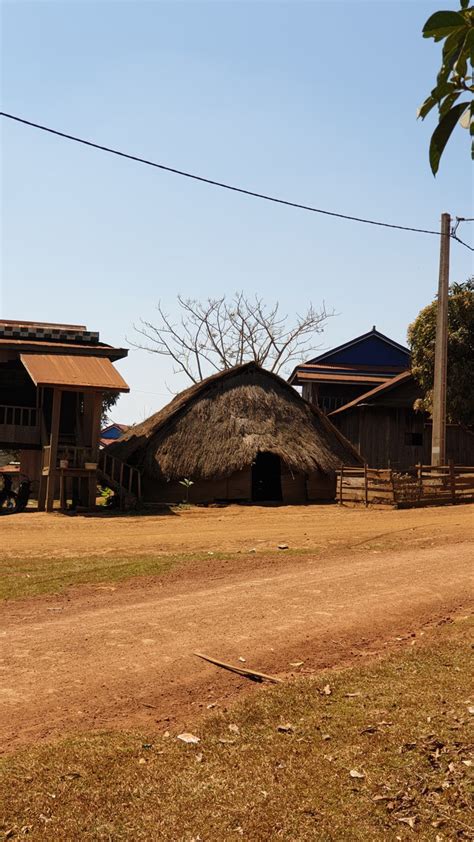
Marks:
<point>23,323</point>
<point>73,371</point>
<point>26,346</point>
<point>343,373</point>
<point>317,377</point>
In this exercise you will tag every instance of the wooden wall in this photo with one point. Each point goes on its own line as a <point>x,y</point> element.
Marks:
<point>236,487</point>
<point>296,488</point>
<point>332,395</point>
<point>30,465</point>
<point>382,435</point>
<point>293,487</point>
<point>321,486</point>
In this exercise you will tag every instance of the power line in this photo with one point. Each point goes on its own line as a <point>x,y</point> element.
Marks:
<point>454,232</point>
<point>214,183</point>
<point>455,237</point>
<point>232,187</point>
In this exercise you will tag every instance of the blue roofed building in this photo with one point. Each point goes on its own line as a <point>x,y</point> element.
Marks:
<point>342,374</point>
<point>367,389</point>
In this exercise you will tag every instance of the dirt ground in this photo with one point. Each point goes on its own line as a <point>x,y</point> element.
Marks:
<point>121,656</point>
<point>231,529</point>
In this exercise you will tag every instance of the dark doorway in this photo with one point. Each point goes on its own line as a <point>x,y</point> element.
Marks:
<point>266,478</point>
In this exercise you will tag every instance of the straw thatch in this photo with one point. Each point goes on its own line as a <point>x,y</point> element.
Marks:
<point>218,426</point>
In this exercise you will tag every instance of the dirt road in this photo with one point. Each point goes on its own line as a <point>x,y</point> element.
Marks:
<point>122,657</point>
<point>231,529</point>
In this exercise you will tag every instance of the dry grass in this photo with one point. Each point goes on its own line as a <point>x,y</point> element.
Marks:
<point>26,577</point>
<point>405,728</point>
<point>35,575</point>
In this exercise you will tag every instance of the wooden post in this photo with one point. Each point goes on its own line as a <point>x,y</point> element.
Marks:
<point>94,446</point>
<point>62,491</point>
<point>53,453</point>
<point>438,439</point>
<point>419,468</point>
<point>452,478</point>
<point>366,489</point>
<point>42,485</point>
<point>394,492</point>
<point>340,485</point>
<point>122,498</point>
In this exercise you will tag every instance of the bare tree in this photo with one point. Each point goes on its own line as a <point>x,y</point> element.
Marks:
<point>219,333</point>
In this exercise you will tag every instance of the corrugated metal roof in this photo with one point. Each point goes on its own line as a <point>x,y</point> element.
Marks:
<point>343,373</point>
<point>26,345</point>
<point>23,323</point>
<point>317,377</point>
<point>71,370</point>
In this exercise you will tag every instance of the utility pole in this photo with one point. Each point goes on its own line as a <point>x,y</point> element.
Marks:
<point>438,441</point>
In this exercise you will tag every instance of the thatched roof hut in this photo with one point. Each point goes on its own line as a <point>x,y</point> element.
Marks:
<point>219,429</point>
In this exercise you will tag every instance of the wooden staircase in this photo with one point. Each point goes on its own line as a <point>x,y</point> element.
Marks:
<point>122,478</point>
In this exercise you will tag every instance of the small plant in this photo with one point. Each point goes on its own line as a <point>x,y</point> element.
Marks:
<point>186,483</point>
<point>106,495</point>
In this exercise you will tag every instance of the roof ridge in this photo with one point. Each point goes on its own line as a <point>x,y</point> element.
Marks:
<point>349,343</point>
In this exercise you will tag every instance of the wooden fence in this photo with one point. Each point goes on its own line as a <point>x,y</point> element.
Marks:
<point>422,485</point>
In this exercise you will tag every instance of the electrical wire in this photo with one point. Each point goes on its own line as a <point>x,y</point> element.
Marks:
<point>233,188</point>
<point>213,182</point>
<point>455,237</point>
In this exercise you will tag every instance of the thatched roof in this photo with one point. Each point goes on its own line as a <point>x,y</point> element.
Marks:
<point>218,426</point>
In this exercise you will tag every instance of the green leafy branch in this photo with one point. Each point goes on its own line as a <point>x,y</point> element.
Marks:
<point>186,483</point>
<point>454,79</point>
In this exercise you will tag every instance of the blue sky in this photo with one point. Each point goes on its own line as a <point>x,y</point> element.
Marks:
<point>311,101</point>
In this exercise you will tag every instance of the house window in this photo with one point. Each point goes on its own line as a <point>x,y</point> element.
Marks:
<point>414,439</point>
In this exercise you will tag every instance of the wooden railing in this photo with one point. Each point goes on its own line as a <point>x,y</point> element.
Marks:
<point>422,485</point>
<point>76,457</point>
<point>126,479</point>
<point>18,416</point>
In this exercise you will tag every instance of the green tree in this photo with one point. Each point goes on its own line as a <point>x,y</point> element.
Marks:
<point>108,401</point>
<point>421,339</point>
<point>455,77</point>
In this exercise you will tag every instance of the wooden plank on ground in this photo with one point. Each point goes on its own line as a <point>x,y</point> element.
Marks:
<point>252,674</point>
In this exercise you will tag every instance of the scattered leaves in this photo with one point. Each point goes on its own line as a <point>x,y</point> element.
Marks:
<point>409,820</point>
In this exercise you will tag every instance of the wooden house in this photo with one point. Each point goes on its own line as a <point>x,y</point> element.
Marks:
<point>53,378</point>
<point>111,433</point>
<point>340,375</point>
<point>243,435</point>
<point>366,388</point>
<point>388,433</point>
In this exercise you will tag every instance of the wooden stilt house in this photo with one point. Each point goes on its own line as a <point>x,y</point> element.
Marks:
<point>53,379</point>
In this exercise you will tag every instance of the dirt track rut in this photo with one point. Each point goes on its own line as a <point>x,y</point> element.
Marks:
<point>72,663</point>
